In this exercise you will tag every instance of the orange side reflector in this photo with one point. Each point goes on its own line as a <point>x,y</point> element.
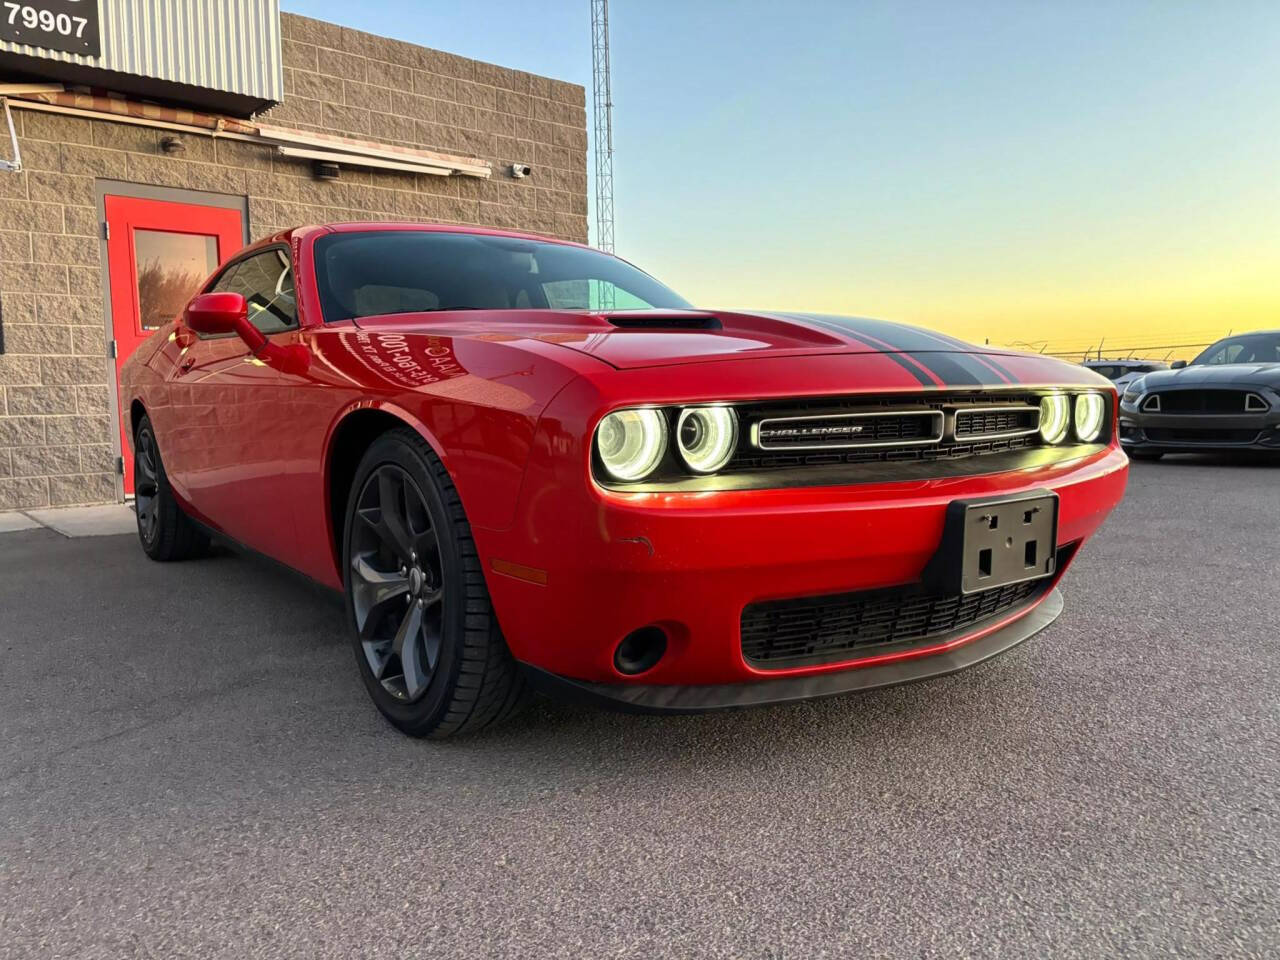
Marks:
<point>520,571</point>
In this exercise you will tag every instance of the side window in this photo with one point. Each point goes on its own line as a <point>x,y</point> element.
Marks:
<point>1228,354</point>
<point>265,280</point>
<point>223,283</point>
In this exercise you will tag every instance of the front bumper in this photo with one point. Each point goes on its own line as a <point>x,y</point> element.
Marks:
<point>582,568</point>
<point>659,698</point>
<point>1190,433</point>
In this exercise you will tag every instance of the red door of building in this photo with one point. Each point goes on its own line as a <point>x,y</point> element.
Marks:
<point>158,254</point>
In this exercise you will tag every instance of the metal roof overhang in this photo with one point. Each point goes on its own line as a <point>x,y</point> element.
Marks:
<point>287,142</point>
<point>219,55</point>
<point>16,67</point>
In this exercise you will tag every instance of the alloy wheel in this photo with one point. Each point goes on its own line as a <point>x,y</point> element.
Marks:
<point>146,485</point>
<point>397,582</point>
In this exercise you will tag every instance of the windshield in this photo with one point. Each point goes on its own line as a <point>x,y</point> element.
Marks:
<point>1249,348</point>
<point>408,271</point>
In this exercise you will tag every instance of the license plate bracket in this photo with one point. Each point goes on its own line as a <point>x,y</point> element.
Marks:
<point>992,542</point>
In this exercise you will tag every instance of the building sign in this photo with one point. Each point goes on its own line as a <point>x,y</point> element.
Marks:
<point>68,25</point>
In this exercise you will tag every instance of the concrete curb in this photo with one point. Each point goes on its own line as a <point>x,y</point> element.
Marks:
<point>101,521</point>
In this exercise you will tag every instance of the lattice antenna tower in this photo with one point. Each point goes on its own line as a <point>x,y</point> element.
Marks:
<point>603,101</point>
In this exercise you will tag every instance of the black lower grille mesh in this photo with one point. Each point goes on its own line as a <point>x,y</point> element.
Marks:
<point>790,633</point>
<point>1190,435</point>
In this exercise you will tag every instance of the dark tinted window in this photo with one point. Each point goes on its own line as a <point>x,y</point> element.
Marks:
<point>265,280</point>
<point>405,271</point>
<point>1251,348</point>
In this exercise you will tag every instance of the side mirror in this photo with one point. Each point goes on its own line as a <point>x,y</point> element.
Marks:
<point>216,313</point>
<point>1177,365</point>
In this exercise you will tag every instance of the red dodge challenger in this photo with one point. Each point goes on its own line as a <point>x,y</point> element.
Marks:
<point>528,464</point>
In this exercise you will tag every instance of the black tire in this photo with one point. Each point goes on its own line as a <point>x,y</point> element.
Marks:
<point>166,533</point>
<point>1144,455</point>
<point>473,682</point>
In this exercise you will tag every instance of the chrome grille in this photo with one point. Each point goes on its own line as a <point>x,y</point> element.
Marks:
<point>914,427</point>
<point>990,423</point>
<point>837,431</point>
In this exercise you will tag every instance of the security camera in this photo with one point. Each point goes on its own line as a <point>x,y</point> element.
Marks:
<point>521,170</point>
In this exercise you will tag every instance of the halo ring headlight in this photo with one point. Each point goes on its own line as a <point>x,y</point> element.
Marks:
<point>1055,417</point>
<point>631,443</point>
<point>706,437</point>
<point>1091,414</point>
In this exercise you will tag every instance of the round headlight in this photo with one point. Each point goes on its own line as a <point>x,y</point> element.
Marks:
<point>1055,417</point>
<point>707,437</point>
<point>631,443</point>
<point>1091,413</point>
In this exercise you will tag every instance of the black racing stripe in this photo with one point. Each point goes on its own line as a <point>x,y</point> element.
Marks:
<point>913,368</point>
<point>954,369</point>
<point>999,367</point>
<point>952,360</point>
<point>895,334</point>
<point>898,358</point>
<point>954,344</point>
<point>987,366</point>
<point>922,348</point>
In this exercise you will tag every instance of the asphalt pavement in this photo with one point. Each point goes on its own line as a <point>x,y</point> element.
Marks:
<point>189,766</point>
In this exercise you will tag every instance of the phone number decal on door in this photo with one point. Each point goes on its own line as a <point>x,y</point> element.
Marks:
<point>68,25</point>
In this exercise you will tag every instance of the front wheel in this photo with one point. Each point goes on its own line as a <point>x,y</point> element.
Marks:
<point>166,533</point>
<point>425,638</point>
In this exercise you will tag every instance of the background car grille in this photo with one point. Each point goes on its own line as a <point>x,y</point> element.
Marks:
<point>1188,435</point>
<point>778,634</point>
<point>971,423</point>
<point>1201,401</point>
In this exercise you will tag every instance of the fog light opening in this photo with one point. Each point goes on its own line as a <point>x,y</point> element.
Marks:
<point>640,650</point>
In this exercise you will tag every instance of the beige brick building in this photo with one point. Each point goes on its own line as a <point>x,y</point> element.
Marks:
<point>59,440</point>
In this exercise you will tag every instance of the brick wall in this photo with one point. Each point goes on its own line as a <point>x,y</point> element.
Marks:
<point>56,419</point>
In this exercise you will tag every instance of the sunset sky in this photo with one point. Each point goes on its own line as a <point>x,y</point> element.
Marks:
<point>1024,172</point>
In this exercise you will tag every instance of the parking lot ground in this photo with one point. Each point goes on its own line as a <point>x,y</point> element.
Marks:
<point>189,766</point>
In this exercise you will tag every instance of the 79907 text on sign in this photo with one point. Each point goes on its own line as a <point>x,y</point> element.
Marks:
<point>68,25</point>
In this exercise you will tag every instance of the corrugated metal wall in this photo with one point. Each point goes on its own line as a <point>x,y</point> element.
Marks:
<point>227,45</point>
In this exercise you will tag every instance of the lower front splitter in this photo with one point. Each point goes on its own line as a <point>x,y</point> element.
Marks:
<point>654,698</point>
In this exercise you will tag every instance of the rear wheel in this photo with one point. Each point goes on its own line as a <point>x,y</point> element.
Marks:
<point>425,638</point>
<point>165,531</point>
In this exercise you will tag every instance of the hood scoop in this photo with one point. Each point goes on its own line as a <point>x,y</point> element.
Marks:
<point>652,320</point>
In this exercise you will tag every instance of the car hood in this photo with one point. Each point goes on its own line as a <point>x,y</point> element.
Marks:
<point>647,338</point>
<point>1222,375</point>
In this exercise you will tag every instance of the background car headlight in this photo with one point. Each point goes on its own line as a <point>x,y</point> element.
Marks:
<point>1091,413</point>
<point>1133,391</point>
<point>707,437</point>
<point>1055,417</point>
<point>631,443</point>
